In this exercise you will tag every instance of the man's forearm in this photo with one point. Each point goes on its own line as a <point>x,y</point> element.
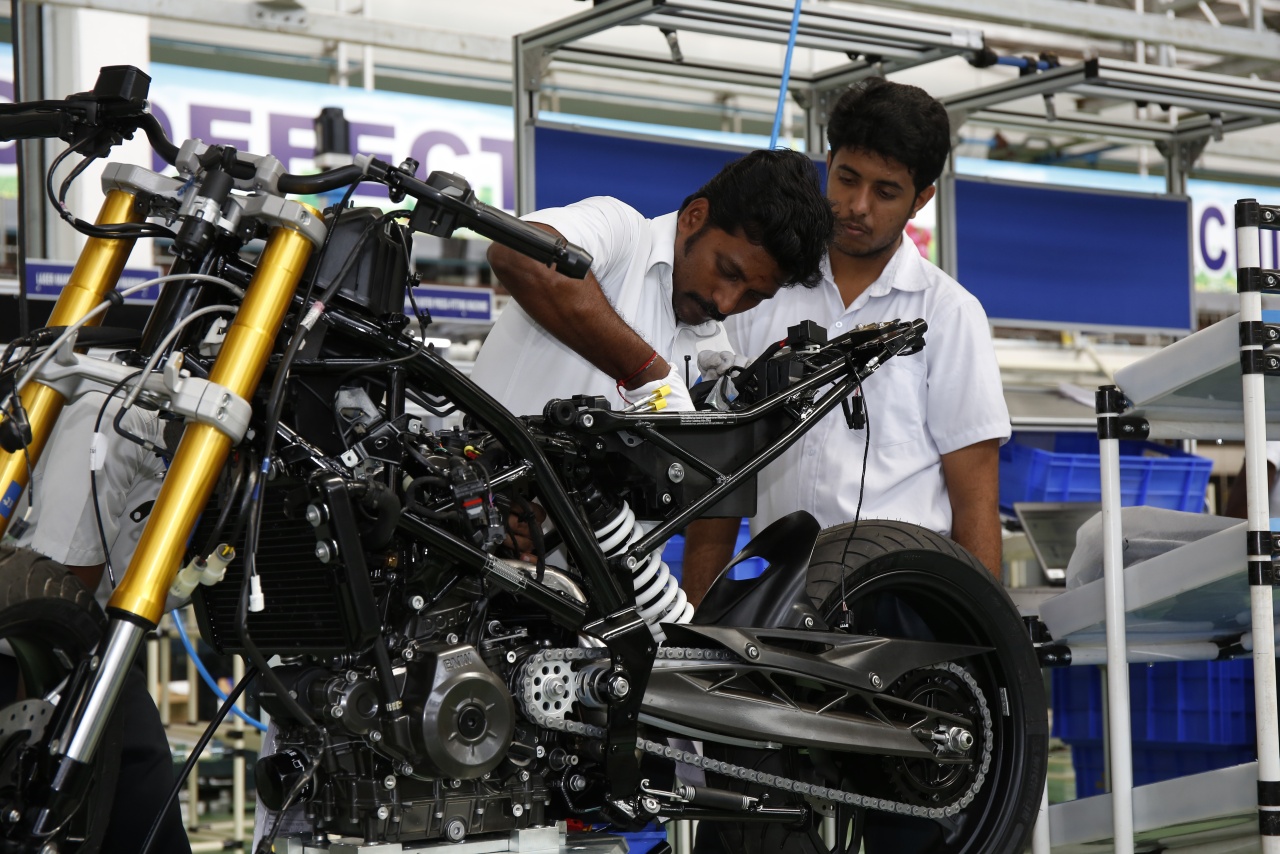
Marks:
<point>708,546</point>
<point>982,537</point>
<point>972,475</point>
<point>577,313</point>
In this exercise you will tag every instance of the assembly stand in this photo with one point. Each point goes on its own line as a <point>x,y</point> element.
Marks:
<point>1109,403</point>
<point>1264,574</point>
<point>1251,281</point>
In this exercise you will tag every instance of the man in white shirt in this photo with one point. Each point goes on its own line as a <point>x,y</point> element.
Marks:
<point>936,418</point>
<point>658,288</point>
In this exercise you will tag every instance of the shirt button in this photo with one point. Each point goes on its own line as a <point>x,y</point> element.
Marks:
<point>811,452</point>
<point>839,326</point>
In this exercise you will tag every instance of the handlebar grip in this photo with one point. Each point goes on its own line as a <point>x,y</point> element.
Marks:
<point>32,125</point>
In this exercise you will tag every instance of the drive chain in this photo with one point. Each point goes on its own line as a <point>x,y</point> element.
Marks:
<point>739,772</point>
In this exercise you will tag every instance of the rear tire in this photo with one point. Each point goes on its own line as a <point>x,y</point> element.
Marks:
<point>900,580</point>
<point>51,623</point>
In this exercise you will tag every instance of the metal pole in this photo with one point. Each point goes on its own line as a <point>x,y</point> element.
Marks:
<point>526,112</point>
<point>367,12</point>
<point>1040,836</point>
<point>1109,404</point>
<point>237,762</point>
<point>153,668</point>
<point>193,678</point>
<point>1248,216</point>
<point>166,672</point>
<point>683,842</point>
<point>16,21</point>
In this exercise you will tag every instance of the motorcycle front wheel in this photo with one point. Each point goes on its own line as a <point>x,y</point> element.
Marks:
<point>50,623</point>
<point>899,580</point>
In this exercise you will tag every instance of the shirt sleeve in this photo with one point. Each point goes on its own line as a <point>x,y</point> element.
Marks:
<point>965,395</point>
<point>607,228</point>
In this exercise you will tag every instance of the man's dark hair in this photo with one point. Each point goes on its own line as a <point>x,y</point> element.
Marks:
<point>775,200</point>
<point>894,120</point>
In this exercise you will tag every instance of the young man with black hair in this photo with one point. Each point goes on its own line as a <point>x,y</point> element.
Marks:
<point>658,288</point>
<point>936,418</point>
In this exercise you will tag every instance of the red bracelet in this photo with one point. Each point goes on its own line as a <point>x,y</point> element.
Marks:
<point>648,364</point>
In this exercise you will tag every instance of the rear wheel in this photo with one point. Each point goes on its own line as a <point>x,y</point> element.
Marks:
<point>894,579</point>
<point>51,623</point>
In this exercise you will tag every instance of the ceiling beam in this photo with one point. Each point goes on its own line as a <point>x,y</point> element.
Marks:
<point>298,20</point>
<point>1089,19</point>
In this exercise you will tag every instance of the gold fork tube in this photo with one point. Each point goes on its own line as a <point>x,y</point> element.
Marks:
<point>203,450</point>
<point>96,272</point>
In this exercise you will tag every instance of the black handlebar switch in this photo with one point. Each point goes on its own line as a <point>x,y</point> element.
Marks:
<point>435,219</point>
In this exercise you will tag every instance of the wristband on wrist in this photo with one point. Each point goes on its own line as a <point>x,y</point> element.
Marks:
<point>648,364</point>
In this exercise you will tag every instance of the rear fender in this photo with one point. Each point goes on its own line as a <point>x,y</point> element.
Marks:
<point>776,598</point>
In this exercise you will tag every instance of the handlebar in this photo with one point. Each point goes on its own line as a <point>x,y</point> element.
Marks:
<point>34,124</point>
<point>446,202</point>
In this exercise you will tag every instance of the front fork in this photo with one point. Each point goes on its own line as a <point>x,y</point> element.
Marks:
<point>95,274</point>
<point>138,603</point>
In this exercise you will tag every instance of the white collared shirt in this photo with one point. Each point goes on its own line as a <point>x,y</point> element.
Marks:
<point>524,366</point>
<point>944,398</point>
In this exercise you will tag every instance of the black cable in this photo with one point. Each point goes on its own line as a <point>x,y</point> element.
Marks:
<point>246,502</point>
<point>48,178</point>
<point>237,479</point>
<point>93,483</point>
<point>254,493</point>
<point>862,488</point>
<point>242,608</point>
<point>115,231</point>
<point>199,747</point>
<point>74,174</point>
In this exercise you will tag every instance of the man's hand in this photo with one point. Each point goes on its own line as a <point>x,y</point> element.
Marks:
<point>713,364</point>
<point>520,525</point>
<point>676,399</point>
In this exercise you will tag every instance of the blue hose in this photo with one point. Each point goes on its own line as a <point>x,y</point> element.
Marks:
<point>1024,63</point>
<point>204,674</point>
<point>786,78</point>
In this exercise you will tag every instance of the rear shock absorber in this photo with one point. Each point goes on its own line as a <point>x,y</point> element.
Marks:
<point>659,598</point>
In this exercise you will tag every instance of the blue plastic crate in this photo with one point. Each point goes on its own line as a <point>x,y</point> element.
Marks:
<point>644,841</point>
<point>1150,474</point>
<point>1188,702</point>
<point>673,554</point>
<point>1153,762</point>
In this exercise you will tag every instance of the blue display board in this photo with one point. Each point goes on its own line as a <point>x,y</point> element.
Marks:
<point>1035,254</point>
<point>1075,258</point>
<point>653,176</point>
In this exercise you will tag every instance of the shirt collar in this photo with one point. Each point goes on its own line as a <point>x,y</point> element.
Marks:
<point>901,273</point>
<point>662,242</point>
<point>662,254</point>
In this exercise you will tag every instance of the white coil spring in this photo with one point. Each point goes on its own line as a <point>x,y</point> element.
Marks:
<point>658,594</point>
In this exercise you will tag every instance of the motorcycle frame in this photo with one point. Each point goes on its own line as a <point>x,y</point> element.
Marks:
<point>137,603</point>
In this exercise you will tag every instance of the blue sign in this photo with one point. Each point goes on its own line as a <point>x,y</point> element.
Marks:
<point>10,499</point>
<point>450,302</point>
<point>46,279</point>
